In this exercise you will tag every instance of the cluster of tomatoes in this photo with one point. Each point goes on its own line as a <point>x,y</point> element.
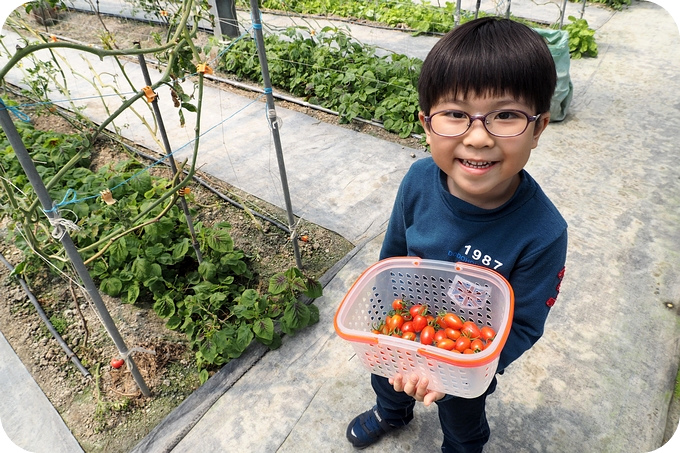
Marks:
<point>445,330</point>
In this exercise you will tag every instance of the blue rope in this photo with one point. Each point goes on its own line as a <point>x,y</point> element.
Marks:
<point>18,113</point>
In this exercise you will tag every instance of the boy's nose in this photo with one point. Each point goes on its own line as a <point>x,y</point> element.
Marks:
<point>477,135</point>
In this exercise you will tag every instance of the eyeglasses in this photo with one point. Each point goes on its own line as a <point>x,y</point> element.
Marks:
<point>499,123</point>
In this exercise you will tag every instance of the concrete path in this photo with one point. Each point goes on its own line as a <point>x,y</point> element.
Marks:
<point>587,385</point>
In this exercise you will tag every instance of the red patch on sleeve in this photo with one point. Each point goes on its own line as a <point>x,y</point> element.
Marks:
<point>550,302</point>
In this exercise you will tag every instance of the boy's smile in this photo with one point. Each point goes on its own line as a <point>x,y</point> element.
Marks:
<point>481,168</point>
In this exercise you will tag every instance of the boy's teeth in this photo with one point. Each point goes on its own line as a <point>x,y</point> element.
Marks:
<point>476,164</point>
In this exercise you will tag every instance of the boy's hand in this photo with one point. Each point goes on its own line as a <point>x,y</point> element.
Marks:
<point>416,387</point>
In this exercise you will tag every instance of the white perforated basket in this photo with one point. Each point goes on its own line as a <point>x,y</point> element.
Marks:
<point>473,292</point>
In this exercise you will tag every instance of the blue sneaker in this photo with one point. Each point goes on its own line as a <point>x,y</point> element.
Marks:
<point>367,428</point>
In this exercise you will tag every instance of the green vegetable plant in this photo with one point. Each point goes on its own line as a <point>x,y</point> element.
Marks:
<point>581,38</point>
<point>151,260</point>
<point>330,69</point>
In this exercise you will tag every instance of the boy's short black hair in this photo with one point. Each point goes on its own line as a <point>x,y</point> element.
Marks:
<point>489,56</point>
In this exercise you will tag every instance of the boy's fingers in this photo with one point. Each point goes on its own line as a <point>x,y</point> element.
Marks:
<point>421,389</point>
<point>411,386</point>
<point>397,382</point>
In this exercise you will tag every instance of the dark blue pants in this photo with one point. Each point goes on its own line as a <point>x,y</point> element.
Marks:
<point>463,420</point>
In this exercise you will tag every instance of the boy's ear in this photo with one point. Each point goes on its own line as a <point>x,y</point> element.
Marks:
<point>539,127</point>
<point>421,117</point>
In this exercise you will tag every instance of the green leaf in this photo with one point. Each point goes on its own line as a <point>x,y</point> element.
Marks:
<point>314,289</point>
<point>220,241</point>
<point>207,270</point>
<point>118,253</point>
<point>264,329</point>
<point>164,307</point>
<point>180,249</point>
<point>111,286</point>
<point>141,268</point>
<point>278,283</point>
<point>132,293</point>
<point>173,322</point>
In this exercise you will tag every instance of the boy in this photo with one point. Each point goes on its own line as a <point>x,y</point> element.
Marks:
<point>473,201</point>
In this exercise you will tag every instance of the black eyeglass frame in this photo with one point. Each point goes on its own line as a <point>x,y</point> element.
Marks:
<point>482,118</point>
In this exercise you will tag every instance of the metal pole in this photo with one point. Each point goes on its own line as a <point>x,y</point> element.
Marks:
<point>479,4</point>
<point>563,13</point>
<point>583,9</point>
<point>456,21</point>
<point>507,11</point>
<point>171,158</point>
<point>273,123</point>
<point>41,191</point>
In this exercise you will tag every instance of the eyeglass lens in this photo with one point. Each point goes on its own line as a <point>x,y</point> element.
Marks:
<point>501,123</point>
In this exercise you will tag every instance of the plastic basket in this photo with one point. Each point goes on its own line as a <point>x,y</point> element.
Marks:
<point>473,292</point>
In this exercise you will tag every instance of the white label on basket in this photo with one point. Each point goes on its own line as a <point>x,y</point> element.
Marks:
<point>468,294</point>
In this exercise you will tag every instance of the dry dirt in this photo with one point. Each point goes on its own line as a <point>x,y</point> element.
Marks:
<point>106,412</point>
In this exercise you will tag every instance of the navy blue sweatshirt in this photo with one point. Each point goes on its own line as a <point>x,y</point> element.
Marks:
<point>525,240</point>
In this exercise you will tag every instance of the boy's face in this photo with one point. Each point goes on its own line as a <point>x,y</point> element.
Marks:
<point>483,169</point>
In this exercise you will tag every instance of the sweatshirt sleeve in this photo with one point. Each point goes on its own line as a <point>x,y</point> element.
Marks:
<point>394,243</point>
<point>536,283</point>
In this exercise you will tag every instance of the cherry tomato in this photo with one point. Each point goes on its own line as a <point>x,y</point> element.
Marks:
<point>447,344</point>
<point>419,322</point>
<point>395,322</point>
<point>462,343</point>
<point>398,304</point>
<point>453,321</point>
<point>408,327</point>
<point>487,333</point>
<point>117,363</point>
<point>409,336</point>
<point>477,345</point>
<point>439,336</point>
<point>427,335</point>
<point>470,330</point>
<point>440,322</point>
<point>418,310</point>
<point>468,351</point>
<point>452,333</point>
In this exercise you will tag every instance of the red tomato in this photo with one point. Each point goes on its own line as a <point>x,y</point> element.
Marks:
<point>117,363</point>
<point>487,333</point>
<point>453,321</point>
<point>409,336</point>
<point>440,322</point>
<point>462,343</point>
<point>418,310</point>
<point>430,320</point>
<point>398,304</point>
<point>395,322</point>
<point>439,335</point>
<point>468,351</point>
<point>427,335</point>
<point>408,327</point>
<point>447,344</point>
<point>452,333</point>
<point>470,330</point>
<point>477,345</point>
<point>419,322</point>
